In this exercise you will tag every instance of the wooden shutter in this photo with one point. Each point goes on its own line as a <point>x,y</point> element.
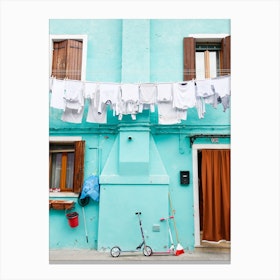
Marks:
<point>189,58</point>
<point>59,59</point>
<point>225,56</point>
<point>79,166</point>
<point>67,59</point>
<point>74,59</point>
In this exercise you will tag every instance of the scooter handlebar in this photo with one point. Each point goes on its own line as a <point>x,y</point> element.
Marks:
<point>163,219</point>
<point>138,213</point>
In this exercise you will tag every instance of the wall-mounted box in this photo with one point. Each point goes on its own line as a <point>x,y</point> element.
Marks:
<point>184,177</point>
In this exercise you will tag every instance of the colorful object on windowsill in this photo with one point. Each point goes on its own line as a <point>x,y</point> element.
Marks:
<point>54,189</point>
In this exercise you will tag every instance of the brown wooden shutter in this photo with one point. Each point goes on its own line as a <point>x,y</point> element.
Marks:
<point>59,59</point>
<point>225,56</point>
<point>74,59</point>
<point>189,58</point>
<point>79,166</point>
<point>67,59</point>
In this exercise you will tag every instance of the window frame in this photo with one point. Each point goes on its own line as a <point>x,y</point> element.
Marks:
<point>57,38</point>
<point>78,175</point>
<point>190,48</point>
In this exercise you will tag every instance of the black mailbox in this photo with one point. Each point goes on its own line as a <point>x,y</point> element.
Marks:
<point>184,177</point>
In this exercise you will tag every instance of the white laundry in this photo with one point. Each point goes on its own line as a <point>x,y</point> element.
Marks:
<point>90,89</point>
<point>58,93</point>
<point>226,102</point>
<point>164,92</point>
<point>72,115</point>
<point>147,96</point>
<point>184,95</point>
<point>129,100</point>
<point>108,94</point>
<point>51,83</point>
<point>128,108</point>
<point>200,107</point>
<point>130,92</point>
<point>222,85</point>
<point>93,116</point>
<point>213,100</point>
<point>167,114</point>
<point>74,94</point>
<point>172,99</point>
<point>204,88</point>
<point>182,114</point>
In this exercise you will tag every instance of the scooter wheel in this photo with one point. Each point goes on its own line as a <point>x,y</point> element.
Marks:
<point>115,251</point>
<point>147,251</point>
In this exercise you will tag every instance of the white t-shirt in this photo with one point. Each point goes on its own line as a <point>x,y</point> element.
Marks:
<point>184,95</point>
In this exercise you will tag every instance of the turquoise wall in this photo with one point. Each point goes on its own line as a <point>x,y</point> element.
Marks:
<point>122,226</point>
<point>61,235</point>
<point>135,175</point>
<point>167,44</point>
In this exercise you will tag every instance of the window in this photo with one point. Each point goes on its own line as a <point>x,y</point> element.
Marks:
<point>67,59</point>
<point>68,56</point>
<point>66,166</point>
<point>206,57</point>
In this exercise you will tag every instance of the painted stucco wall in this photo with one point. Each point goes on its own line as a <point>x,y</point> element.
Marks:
<point>135,51</point>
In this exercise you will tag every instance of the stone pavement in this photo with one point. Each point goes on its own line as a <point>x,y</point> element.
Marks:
<point>199,255</point>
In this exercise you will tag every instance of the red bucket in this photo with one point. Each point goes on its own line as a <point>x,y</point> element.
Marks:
<point>73,219</point>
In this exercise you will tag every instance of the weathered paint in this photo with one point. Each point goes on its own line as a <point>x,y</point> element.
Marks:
<point>135,175</point>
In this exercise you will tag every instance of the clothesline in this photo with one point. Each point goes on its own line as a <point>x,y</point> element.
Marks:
<point>171,98</point>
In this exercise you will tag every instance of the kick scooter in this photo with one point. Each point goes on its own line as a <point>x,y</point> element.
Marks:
<point>171,250</point>
<point>147,250</point>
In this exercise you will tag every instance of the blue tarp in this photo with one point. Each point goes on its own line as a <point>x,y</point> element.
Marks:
<point>91,188</point>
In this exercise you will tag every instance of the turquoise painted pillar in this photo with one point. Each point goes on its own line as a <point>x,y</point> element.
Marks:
<point>136,51</point>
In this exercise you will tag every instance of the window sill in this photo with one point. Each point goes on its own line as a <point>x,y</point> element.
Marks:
<point>61,204</point>
<point>63,194</point>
